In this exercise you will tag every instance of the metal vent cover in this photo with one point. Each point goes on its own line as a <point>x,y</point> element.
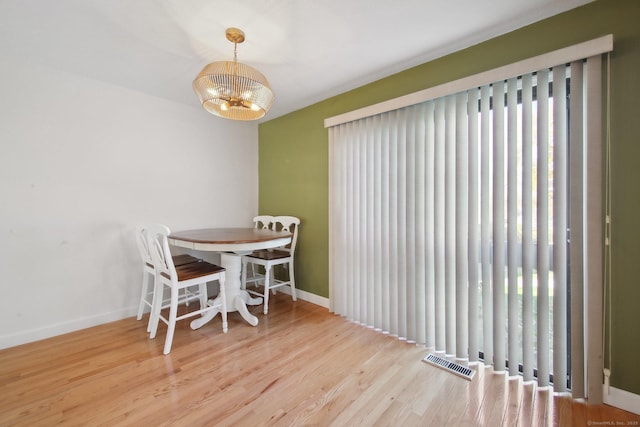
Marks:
<point>455,368</point>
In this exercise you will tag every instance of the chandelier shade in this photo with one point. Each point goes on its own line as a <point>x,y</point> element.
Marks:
<point>233,90</point>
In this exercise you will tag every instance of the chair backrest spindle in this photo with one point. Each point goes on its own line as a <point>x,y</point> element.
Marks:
<point>161,255</point>
<point>263,221</point>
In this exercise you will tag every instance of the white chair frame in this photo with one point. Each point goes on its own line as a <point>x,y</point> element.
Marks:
<point>270,258</point>
<point>191,275</point>
<point>148,271</point>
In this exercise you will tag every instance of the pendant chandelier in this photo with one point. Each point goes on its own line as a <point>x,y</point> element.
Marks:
<point>233,90</point>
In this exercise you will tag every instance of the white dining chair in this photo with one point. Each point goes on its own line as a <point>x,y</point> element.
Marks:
<point>148,272</point>
<point>268,258</point>
<point>194,275</point>
<point>260,222</point>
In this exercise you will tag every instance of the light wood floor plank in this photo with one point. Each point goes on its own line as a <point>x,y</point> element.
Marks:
<point>528,402</point>
<point>300,366</point>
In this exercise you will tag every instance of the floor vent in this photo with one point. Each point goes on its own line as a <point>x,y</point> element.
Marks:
<point>461,371</point>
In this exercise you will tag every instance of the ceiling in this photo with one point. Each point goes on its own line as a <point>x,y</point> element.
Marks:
<point>309,50</point>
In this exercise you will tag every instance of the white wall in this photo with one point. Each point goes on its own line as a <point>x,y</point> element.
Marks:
<point>81,164</point>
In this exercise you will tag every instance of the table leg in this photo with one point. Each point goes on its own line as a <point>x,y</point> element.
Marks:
<point>237,299</point>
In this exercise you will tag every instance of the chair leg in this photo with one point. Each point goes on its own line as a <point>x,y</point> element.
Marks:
<point>143,294</point>
<point>223,298</point>
<point>173,314</point>
<point>156,306</point>
<point>153,301</point>
<point>252,266</point>
<point>272,277</point>
<point>185,292</point>
<point>267,277</point>
<point>292,281</point>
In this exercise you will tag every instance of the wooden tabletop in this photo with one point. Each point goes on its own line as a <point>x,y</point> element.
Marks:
<point>228,235</point>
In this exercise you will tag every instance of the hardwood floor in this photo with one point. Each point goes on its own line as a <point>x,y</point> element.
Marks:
<point>300,366</point>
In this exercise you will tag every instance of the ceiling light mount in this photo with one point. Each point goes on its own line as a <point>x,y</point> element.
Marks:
<point>235,35</point>
<point>233,90</point>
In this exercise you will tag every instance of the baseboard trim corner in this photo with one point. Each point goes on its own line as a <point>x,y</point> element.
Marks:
<point>307,296</point>
<point>621,399</point>
<point>313,298</point>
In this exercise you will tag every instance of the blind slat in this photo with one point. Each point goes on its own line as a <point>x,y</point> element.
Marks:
<point>419,292</point>
<point>394,220</point>
<point>542,227</point>
<point>560,210</point>
<point>527,229</point>
<point>461,228</point>
<point>378,257</point>
<point>498,264</point>
<point>439,216</point>
<point>576,224</point>
<point>512,227</point>
<point>485,221</point>
<point>474,228</point>
<point>430,225</point>
<point>450,224</point>
<point>401,232</point>
<point>369,298</point>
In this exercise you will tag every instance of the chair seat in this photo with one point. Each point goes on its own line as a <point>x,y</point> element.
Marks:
<point>179,260</point>
<point>195,269</point>
<point>269,255</point>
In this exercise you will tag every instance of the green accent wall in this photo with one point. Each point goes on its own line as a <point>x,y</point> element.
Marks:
<point>293,153</point>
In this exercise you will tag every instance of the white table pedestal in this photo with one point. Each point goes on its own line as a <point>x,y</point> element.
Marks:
<point>237,299</point>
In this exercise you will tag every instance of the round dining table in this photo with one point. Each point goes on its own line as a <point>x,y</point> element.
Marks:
<point>231,243</point>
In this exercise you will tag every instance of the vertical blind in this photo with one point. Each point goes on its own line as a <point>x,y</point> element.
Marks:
<point>458,223</point>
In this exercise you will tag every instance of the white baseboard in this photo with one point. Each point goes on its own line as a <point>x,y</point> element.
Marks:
<point>307,296</point>
<point>24,337</point>
<point>621,399</point>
